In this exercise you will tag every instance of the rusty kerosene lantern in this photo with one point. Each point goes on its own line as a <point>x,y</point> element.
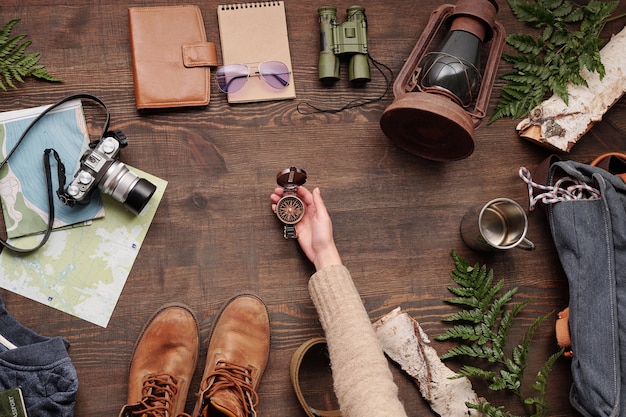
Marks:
<point>441,95</point>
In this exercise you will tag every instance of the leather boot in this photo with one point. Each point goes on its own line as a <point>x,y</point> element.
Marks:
<point>163,363</point>
<point>236,357</point>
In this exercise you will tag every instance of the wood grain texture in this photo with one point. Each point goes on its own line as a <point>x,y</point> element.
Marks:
<point>396,217</point>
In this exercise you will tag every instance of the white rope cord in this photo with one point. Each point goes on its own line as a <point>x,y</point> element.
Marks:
<point>5,342</point>
<point>565,189</point>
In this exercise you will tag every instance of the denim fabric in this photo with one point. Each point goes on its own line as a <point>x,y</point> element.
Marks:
<point>590,237</point>
<point>40,366</point>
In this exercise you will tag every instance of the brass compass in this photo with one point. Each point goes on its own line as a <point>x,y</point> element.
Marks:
<point>290,207</point>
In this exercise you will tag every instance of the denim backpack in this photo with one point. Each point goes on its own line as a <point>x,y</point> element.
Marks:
<point>586,209</point>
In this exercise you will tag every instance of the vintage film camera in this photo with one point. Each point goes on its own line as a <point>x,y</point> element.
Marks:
<point>343,39</point>
<point>100,167</point>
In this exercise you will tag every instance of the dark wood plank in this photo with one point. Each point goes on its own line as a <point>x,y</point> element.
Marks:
<point>396,216</point>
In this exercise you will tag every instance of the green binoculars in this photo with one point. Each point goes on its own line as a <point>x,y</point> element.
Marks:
<point>343,39</point>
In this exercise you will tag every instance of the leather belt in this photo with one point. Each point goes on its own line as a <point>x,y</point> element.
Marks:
<point>299,356</point>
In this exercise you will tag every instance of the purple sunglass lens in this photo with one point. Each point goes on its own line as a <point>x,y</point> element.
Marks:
<point>231,78</point>
<point>275,73</point>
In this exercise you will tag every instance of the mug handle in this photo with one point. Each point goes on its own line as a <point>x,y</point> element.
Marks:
<point>526,244</point>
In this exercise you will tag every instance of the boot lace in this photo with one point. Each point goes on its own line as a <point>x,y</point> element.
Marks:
<point>238,378</point>
<point>159,393</point>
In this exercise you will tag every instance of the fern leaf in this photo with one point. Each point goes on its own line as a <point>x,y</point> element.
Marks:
<point>482,327</point>
<point>39,71</point>
<point>524,44</point>
<point>562,10</point>
<point>460,331</point>
<point>569,42</point>
<point>470,351</point>
<point>538,402</point>
<point>13,48</point>
<point>471,316</point>
<point>461,291</point>
<point>472,371</point>
<point>15,63</point>
<point>466,300</point>
<point>541,382</point>
<point>491,410</point>
<point>5,32</point>
<point>488,304</point>
<point>497,312</point>
<point>505,324</point>
<point>533,328</point>
<point>510,381</point>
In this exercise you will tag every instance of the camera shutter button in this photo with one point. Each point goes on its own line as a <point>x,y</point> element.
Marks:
<point>109,146</point>
<point>84,178</point>
<point>73,190</point>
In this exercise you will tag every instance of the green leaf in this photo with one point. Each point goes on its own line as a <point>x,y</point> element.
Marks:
<point>525,44</point>
<point>490,410</point>
<point>481,329</point>
<point>472,371</point>
<point>472,316</point>
<point>15,64</point>
<point>471,351</point>
<point>568,42</point>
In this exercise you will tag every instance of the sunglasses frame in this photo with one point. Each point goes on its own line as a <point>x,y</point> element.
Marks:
<point>259,72</point>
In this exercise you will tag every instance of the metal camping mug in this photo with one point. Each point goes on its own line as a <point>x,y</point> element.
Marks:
<point>499,224</point>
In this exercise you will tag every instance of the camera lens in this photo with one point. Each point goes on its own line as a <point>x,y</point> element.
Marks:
<point>139,195</point>
<point>126,187</point>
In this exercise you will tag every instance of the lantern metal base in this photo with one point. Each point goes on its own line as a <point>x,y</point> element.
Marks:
<point>430,126</point>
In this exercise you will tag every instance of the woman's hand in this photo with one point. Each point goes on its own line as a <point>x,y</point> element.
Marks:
<point>315,230</point>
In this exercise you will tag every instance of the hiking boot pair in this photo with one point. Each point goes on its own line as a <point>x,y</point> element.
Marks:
<point>166,354</point>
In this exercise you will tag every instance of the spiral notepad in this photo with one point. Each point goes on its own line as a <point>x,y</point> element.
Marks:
<point>251,33</point>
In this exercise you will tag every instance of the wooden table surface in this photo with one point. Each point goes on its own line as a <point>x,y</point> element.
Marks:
<point>396,216</point>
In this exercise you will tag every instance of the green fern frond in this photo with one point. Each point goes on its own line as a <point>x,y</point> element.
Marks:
<point>506,321</point>
<point>490,410</point>
<point>525,44</point>
<point>472,371</point>
<point>459,331</point>
<point>538,402</point>
<point>473,351</point>
<point>569,42</point>
<point>495,309</point>
<point>15,63</point>
<point>471,316</point>
<point>482,327</point>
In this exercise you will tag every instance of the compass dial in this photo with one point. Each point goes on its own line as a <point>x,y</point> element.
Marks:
<point>290,209</point>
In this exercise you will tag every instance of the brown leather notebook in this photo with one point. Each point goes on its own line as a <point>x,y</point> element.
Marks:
<point>171,57</point>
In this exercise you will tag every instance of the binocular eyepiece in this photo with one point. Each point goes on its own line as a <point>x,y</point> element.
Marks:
<point>348,38</point>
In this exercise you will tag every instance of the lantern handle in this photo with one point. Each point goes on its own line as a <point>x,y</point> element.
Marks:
<point>490,74</point>
<point>406,74</point>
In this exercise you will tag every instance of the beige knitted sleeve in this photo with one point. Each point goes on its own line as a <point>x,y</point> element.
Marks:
<point>362,379</point>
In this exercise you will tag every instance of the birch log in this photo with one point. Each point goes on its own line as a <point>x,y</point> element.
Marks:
<point>404,342</point>
<point>559,126</point>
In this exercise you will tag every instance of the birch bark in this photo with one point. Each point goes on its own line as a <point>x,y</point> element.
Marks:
<point>404,342</point>
<point>558,126</point>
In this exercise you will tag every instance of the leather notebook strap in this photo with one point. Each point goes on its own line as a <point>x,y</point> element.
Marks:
<point>199,54</point>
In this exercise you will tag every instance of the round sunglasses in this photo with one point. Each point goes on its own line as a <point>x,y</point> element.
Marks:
<point>233,77</point>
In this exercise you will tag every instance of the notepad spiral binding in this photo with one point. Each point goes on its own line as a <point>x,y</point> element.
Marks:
<point>237,6</point>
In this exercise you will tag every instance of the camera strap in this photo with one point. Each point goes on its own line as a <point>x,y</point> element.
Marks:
<point>47,167</point>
